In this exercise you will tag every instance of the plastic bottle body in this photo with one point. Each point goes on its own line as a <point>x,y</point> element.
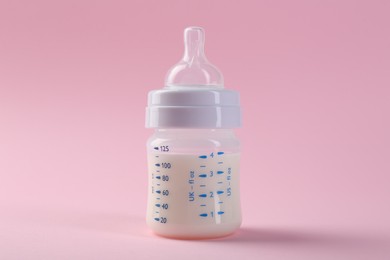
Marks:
<point>193,189</point>
<point>193,156</point>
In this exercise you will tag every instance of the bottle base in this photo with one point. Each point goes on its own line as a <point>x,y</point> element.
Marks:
<point>197,237</point>
<point>196,233</point>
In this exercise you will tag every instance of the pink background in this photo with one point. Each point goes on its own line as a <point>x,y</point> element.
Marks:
<point>314,78</point>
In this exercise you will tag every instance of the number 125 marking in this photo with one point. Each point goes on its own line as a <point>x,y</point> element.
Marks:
<point>164,148</point>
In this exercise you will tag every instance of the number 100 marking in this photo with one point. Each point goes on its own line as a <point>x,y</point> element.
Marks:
<point>166,165</point>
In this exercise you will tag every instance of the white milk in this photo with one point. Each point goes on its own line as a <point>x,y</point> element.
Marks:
<point>193,196</point>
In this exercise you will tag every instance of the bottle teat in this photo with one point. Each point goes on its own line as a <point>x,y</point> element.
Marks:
<point>194,70</point>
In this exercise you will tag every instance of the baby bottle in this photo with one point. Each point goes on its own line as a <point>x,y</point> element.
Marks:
<point>193,155</point>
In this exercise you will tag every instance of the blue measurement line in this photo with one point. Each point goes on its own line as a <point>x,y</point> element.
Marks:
<point>220,153</point>
<point>220,202</point>
<point>203,157</point>
<point>158,205</point>
<point>202,185</point>
<point>158,177</point>
<point>203,195</point>
<point>203,215</point>
<point>219,172</point>
<point>158,198</point>
<point>157,219</point>
<point>220,192</point>
<point>203,166</point>
<point>220,182</point>
<point>158,191</point>
<point>157,212</point>
<point>202,175</point>
<point>220,162</point>
<point>220,212</point>
<point>203,205</point>
<point>157,164</point>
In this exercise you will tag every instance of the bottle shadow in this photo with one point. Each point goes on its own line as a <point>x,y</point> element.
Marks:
<point>278,236</point>
<point>308,239</point>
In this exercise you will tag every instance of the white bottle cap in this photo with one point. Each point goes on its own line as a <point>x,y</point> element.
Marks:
<point>193,96</point>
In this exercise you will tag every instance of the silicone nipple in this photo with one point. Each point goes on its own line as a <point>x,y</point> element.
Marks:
<point>194,70</point>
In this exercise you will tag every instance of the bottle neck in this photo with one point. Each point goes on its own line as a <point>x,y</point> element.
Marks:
<point>183,132</point>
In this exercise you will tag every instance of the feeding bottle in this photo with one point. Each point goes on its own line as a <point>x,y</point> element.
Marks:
<point>193,155</point>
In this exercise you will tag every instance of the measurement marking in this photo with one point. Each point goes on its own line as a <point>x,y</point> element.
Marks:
<point>220,162</point>
<point>220,153</point>
<point>220,202</point>
<point>157,156</point>
<point>155,148</point>
<point>158,184</point>
<point>157,212</point>
<point>158,191</point>
<point>202,175</point>
<point>158,177</point>
<point>220,212</point>
<point>158,205</point>
<point>157,219</point>
<point>203,205</point>
<point>203,166</point>
<point>157,171</point>
<point>220,182</point>
<point>203,157</point>
<point>157,164</point>
<point>203,215</point>
<point>158,198</point>
<point>203,195</point>
<point>220,192</point>
<point>202,185</point>
<point>219,172</point>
